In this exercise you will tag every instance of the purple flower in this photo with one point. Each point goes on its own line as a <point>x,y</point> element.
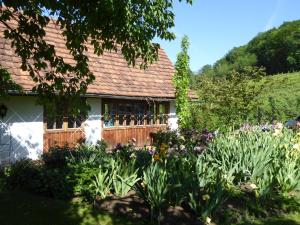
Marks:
<point>206,136</point>
<point>151,151</point>
<point>265,127</point>
<point>246,127</point>
<point>118,146</point>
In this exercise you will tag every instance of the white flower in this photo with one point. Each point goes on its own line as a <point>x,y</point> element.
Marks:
<point>253,186</point>
<point>279,126</point>
<point>208,220</point>
<point>182,147</point>
<point>296,146</point>
<point>277,132</point>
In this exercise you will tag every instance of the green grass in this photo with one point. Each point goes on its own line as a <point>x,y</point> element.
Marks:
<point>288,219</point>
<point>18,208</point>
<point>281,96</point>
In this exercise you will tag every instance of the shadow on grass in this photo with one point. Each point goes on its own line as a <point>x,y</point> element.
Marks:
<point>23,208</point>
<point>134,208</point>
<point>274,221</point>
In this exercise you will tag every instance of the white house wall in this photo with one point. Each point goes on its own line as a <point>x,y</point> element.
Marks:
<point>92,126</point>
<point>173,119</point>
<point>21,130</point>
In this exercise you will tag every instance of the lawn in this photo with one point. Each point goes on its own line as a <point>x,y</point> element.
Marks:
<point>22,208</point>
<point>287,219</point>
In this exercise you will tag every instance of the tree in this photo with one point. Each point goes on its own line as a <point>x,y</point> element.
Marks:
<point>7,84</point>
<point>181,81</point>
<point>128,26</point>
<point>277,50</point>
<point>230,100</point>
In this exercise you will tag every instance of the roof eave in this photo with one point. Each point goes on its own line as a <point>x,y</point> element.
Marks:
<point>97,95</point>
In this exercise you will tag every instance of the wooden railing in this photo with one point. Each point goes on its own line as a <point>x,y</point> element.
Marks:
<point>130,120</point>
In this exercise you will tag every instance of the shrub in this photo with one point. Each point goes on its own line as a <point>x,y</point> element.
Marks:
<point>56,156</point>
<point>26,174</point>
<point>123,152</point>
<point>169,137</point>
<point>35,177</point>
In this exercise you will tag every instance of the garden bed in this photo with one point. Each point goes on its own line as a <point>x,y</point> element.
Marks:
<point>248,173</point>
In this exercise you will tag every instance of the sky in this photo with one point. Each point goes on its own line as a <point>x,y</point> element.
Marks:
<point>216,26</point>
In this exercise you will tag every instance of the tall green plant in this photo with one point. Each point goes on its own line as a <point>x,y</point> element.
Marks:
<point>154,188</point>
<point>102,183</point>
<point>124,177</point>
<point>181,81</point>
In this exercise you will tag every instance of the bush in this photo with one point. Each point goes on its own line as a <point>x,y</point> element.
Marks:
<point>35,177</point>
<point>26,174</point>
<point>56,156</point>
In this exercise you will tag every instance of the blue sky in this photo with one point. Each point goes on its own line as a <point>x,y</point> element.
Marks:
<point>216,26</point>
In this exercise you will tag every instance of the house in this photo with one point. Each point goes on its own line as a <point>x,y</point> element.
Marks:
<point>126,102</point>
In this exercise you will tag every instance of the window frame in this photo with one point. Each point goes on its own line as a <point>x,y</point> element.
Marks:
<point>153,117</point>
<point>65,124</point>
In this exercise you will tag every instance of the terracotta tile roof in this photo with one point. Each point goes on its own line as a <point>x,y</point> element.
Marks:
<point>113,76</point>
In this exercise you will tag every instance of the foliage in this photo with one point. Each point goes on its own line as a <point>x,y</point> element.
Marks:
<point>87,154</point>
<point>169,137</point>
<point>277,50</point>
<point>181,82</point>
<point>205,205</point>
<point>7,84</point>
<point>229,99</point>
<point>33,176</point>
<point>126,26</point>
<point>280,99</point>
<point>124,177</point>
<point>102,183</point>
<point>257,165</point>
<point>56,156</point>
<point>154,188</point>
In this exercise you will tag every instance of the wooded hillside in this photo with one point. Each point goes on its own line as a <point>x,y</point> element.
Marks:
<point>278,50</point>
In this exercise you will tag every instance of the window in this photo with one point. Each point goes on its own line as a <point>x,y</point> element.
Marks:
<point>62,120</point>
<point>55,123</point>
<point>75,122</point>
<point>62,123</point>
<point>109,114</point>
<point>118,113</point>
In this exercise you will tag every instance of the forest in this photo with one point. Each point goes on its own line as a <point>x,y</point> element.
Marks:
<point>256,82</point>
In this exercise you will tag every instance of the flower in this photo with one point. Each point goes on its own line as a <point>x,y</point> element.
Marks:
<point>206,197</point>
<point>118,146</point>
<point>156,157</point>
<point>265,127</point>
<point>182,147</point>
<point>151,151</point>
<point>246,127</point>
<point>163,146</point>
<point>253,186</point>
<point>278,126</point>
<point>207,220</point>
<point>277,132</point>
<point>163,149</point>
<point>296,146</point>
